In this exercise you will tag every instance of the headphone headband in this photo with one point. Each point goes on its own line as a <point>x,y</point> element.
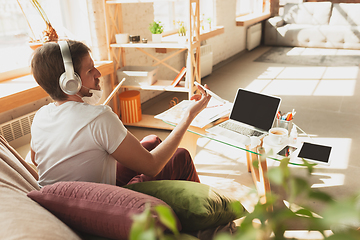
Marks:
<point>69,81</point>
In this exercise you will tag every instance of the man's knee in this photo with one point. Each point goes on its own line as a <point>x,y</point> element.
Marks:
<point>150,142</point>
<point>183,155</point>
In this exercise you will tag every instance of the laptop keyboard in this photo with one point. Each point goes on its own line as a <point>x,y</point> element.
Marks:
<point>240,129</point>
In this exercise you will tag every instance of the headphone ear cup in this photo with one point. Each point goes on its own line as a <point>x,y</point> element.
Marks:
<point>70,86</point>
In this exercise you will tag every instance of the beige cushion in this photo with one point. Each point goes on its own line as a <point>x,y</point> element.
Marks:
<point>345,14</point>
<point>21,217</point>
<point>315,13</point>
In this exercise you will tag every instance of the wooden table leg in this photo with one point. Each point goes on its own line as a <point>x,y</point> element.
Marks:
<point>257,165</point>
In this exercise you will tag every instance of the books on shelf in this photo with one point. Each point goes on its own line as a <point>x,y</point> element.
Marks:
<point>212,112</point>
<point>179,77</point>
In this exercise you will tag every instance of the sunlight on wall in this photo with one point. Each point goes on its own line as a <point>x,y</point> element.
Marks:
<point>307,81</point>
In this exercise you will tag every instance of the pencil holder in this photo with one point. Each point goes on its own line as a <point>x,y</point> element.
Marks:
<point>283,124</point>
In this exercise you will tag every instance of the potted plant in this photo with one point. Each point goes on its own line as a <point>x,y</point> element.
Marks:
<point>156,28</point>
<point>48,35</point>
<point>182,33</point>
<point>208,20</point>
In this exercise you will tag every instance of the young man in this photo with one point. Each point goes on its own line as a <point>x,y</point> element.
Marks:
<point>76,141</point>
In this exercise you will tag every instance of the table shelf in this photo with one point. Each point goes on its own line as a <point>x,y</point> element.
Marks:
<point>160,85</point>
<point>169,45</point>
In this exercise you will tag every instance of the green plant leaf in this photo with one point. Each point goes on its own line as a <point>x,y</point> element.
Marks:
<point>167,218</point>
<point>275,175</point>
<point>223,236</point>
<point>237,208</point>
<point>352,235</point>
<point>310,166</point>
<point>320,196</point>
<point>142,222</point>
<point>341,212</point>
<point>148,234</point>
<point>255,164</point>
<point>298,186</point>
<point>183,236</point>
<point>156,27</point>
<point>304,212</point>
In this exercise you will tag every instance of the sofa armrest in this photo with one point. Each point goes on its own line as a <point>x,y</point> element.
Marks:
<point>276,21</point>
<point>21,160</point>
<point>271,29</point>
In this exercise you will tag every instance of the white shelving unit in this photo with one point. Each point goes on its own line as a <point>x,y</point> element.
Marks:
<point>113,16</point>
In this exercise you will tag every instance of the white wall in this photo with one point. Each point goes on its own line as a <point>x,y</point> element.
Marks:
<point>232,41</point>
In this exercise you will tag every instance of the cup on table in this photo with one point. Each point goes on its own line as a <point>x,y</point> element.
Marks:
<point>278,135</point>
<point>283,124</point>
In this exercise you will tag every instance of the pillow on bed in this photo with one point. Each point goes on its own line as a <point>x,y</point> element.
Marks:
<point>100,209</point>
<point>198,206</point>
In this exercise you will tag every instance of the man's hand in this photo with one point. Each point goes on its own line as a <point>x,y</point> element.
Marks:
<point>201,101</point>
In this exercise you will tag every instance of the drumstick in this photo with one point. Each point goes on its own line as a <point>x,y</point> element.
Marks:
<point>210,93</point>
<point>113,92</point>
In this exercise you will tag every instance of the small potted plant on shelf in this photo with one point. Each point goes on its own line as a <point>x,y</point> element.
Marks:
<point>208,20</point>
<point>182,33</point>
<point>156,28</point>
<point>48,35</point>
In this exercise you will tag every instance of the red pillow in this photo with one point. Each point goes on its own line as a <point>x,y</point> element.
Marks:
<point>94,208</point>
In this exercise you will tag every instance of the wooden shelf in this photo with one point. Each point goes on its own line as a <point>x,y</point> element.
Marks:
<point>217,31</point>
<point>18,92</point>
<point>22,90</point>
<point>251,19</point>
<point>160,85</point>
<point>150,45</point>
<point>130,1</point>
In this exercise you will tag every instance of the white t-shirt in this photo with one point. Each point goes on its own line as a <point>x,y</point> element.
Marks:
<point>73,142</point>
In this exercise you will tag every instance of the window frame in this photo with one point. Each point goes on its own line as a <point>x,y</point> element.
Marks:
<point>172,16</point>
<point>265,9</point>
<point>244,20</point>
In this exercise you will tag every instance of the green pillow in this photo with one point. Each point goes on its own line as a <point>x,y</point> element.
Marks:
<point>198,206</point>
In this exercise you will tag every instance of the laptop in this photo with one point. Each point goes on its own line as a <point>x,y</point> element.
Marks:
<point>252,114</point>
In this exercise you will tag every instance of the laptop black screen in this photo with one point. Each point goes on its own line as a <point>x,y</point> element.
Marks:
<point>255,109</point>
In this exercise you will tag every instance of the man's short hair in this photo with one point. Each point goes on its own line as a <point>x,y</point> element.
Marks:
<point>47,66</point>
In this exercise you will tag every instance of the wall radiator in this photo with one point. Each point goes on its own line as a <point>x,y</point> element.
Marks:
<point>206,60</point>
<point>17,131</point>
<point>253,36</point>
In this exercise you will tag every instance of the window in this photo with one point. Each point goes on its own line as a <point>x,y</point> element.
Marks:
<point>15,32</point>
<point>171,13</point>
<point>283,2</point>
<point>14,36</point>
<point>245,7</point>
